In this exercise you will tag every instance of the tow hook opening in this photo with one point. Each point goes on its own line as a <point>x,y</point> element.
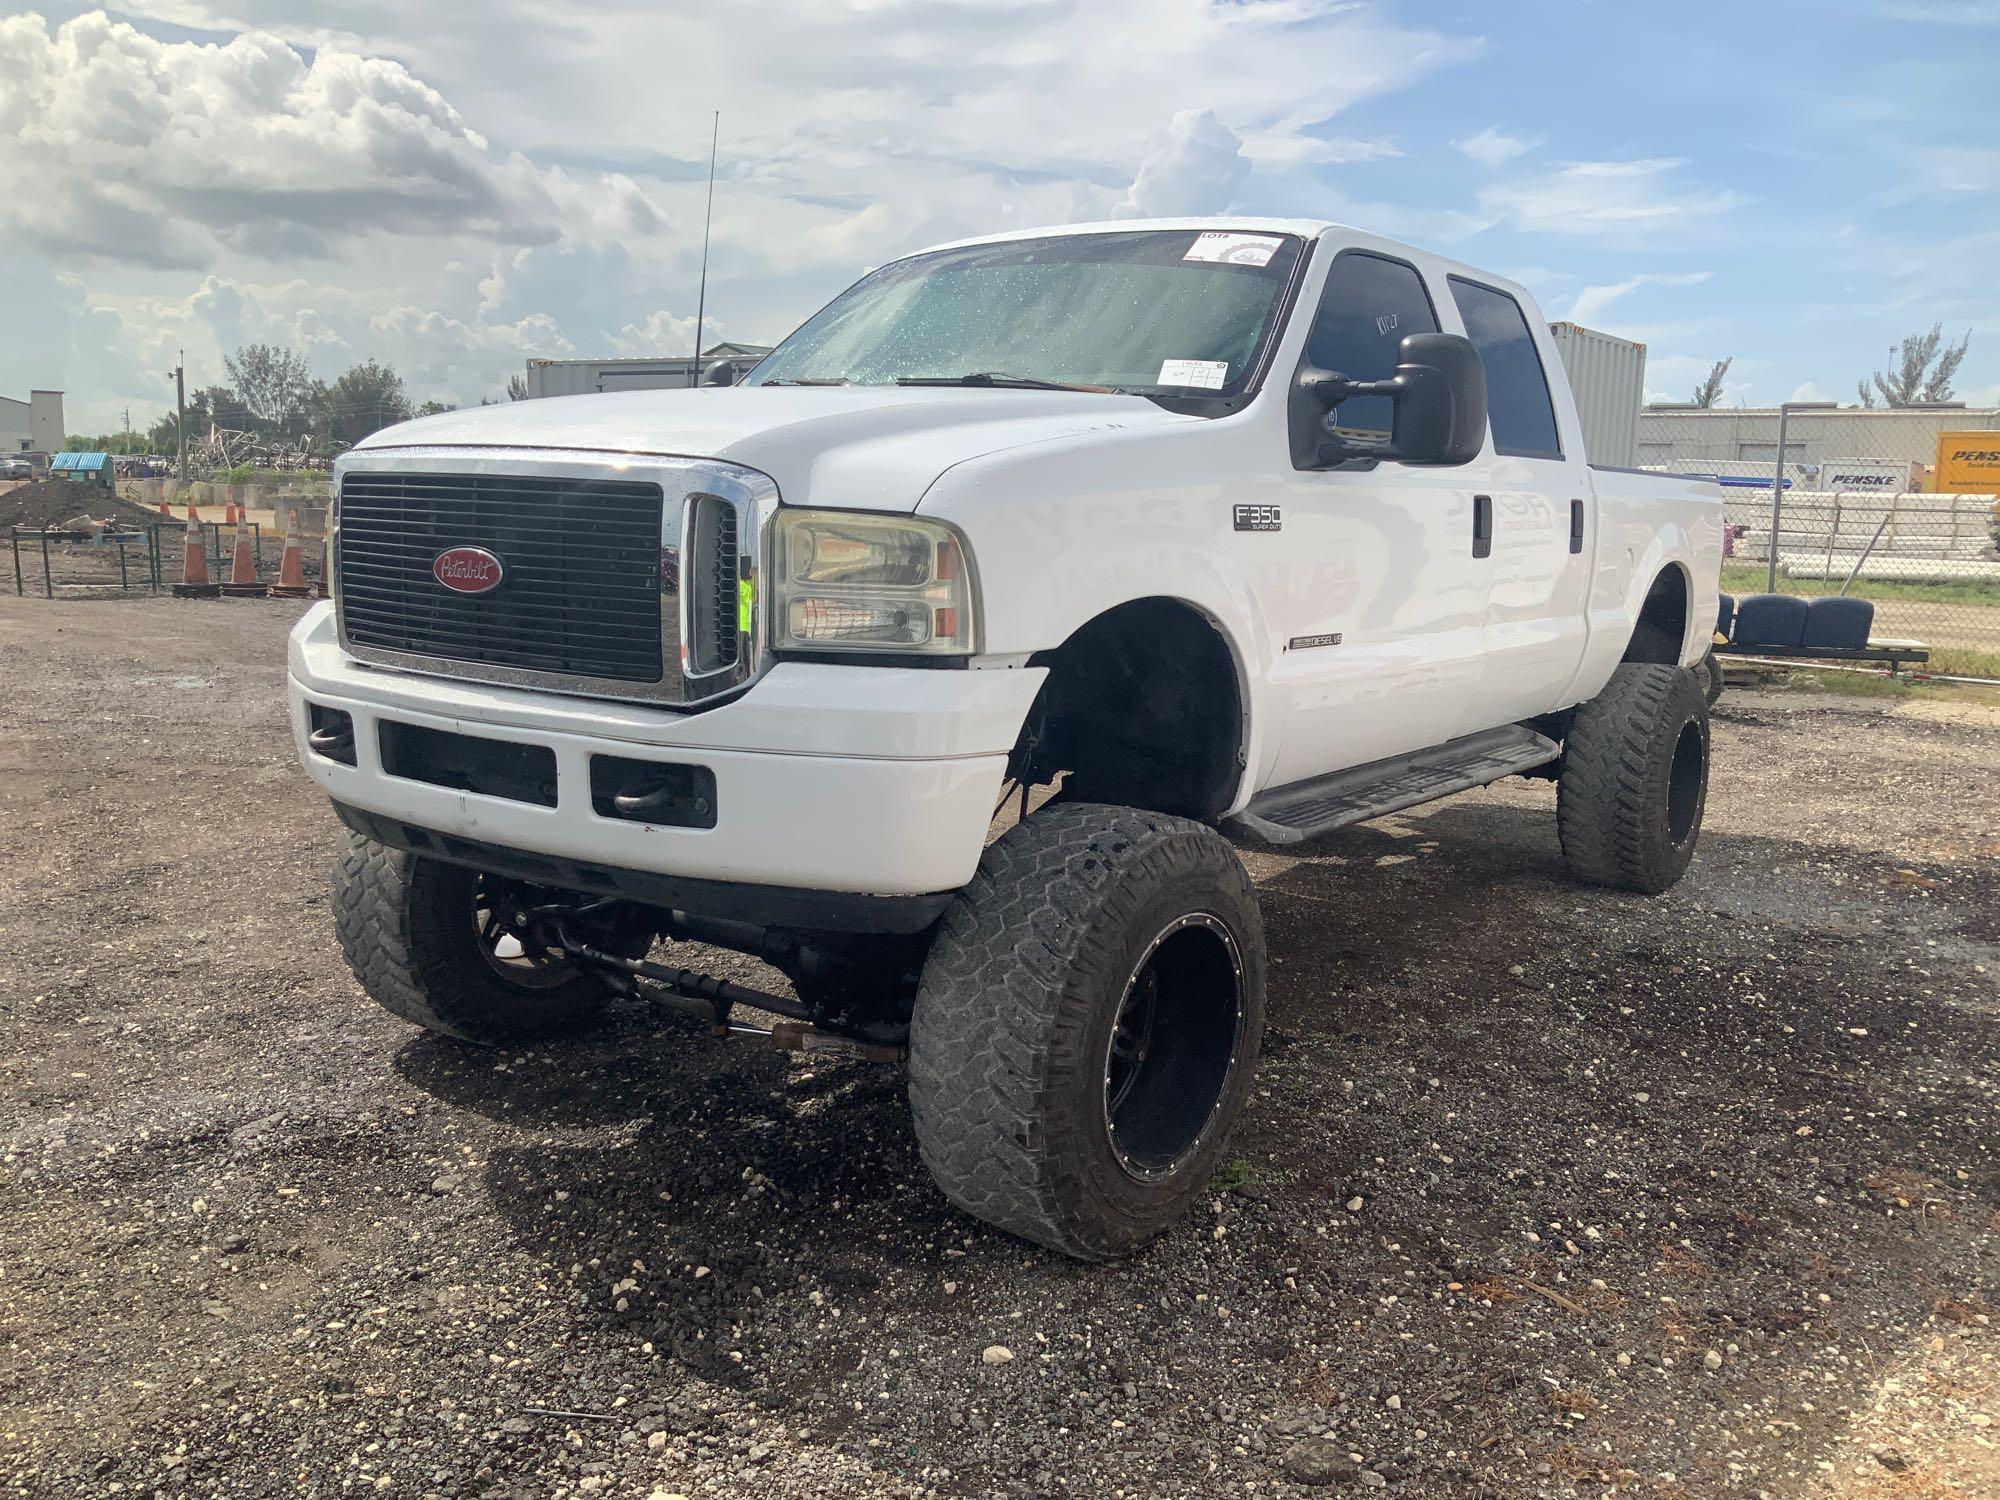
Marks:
<point>330,733</point>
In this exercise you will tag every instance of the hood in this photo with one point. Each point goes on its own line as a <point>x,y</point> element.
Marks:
<point>854,447</point>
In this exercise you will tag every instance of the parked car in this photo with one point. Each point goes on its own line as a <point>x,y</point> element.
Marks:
<point>16,468</point>
<point>1222,530</point>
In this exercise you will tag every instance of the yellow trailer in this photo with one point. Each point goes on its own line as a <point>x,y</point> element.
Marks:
<point>1968,463</point>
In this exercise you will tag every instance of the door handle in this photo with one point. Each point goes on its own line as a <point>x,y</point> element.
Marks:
<point>1576,526</point>
<point>1482,525</point>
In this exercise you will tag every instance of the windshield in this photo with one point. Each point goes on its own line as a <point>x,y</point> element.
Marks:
<point>1153,312</point>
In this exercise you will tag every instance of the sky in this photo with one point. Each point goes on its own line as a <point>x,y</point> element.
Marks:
<point>459,186</point>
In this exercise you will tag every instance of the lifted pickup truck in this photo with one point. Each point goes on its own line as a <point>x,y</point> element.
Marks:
<point>1247,528</point>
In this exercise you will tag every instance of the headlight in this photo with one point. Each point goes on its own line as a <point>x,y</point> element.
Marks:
<point>849,582</point>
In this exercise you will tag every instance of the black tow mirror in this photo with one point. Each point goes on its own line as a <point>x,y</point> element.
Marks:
<point>722,372</point>
<point>1439,396</point>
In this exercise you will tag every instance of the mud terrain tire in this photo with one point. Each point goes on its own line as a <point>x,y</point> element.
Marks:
<point>1046,1101</point>
<point>1634,779</point>
<point>406,928</point>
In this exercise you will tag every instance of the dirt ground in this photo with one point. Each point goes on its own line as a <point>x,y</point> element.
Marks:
<point>1544,1190</point>
<point>57,502</point>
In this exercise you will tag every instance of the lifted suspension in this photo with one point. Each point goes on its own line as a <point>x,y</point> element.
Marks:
<point>705,998</point>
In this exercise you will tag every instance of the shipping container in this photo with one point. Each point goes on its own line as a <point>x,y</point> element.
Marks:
<point>589,377</point>
<point>1608,378</point>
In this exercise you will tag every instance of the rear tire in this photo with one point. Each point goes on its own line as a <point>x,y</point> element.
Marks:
<point>1709,672</point>
<point>1634,779</point>
<point>1087,1027</point>
<point>413,932</point>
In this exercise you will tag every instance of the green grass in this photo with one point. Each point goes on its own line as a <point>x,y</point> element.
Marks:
<point>1963,661</point>
<point>1880,685</point>
<point>1234,1174</point>
<point>1748,578</point>
<point>251,474</point>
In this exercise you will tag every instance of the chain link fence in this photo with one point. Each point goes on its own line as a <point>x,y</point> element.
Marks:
<point>1851,510</point>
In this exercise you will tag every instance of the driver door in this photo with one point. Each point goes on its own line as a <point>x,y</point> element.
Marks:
<point>1385,602</point>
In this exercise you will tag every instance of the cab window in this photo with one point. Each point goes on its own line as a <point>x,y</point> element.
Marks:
<point>1370,305</point>
<point>1517,389</point>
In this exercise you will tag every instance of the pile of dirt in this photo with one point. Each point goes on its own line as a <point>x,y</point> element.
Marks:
<point>57,502</point>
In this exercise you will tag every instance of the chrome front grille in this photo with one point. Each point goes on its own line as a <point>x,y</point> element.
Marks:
<point>710,585</point>
<point>580,594</point>
<point>632,579</point>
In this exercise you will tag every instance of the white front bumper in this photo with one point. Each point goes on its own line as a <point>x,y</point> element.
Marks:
<point>828,778</point>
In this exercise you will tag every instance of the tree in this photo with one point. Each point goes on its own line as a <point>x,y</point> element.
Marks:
<point>432,407</point>
<point>1710,390</point>
<point>367,397</point>
<point>1925,367</point>
<point>517,388</point>
<point>209,406</point>
<point>273,384</point>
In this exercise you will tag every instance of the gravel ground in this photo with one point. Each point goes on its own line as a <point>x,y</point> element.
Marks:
<point>1544,1190</point>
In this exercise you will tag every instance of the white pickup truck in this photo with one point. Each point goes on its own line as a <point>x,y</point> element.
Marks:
<point>1218,528</point>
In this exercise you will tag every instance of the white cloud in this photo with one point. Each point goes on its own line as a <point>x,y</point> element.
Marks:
<point>1605,199</point>
<point>1494,148</point>
<point>661,333</point>
<point>512,180</point>
<point>1945,12</point>
<point>1806,392</point>
<point>1194,168</point>
<point>116,146</point>
<point>1594,301</point>
<point>1282,152</point>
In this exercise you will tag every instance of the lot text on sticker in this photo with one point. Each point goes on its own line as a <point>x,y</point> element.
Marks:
<point>1202,374</point>
<point>1234,249</point>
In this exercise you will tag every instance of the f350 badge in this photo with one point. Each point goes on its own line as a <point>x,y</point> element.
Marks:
<point>1259,518</point>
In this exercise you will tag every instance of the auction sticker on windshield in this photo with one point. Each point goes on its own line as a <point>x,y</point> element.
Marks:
<point>1234,249</point>
<point>1202,374</point>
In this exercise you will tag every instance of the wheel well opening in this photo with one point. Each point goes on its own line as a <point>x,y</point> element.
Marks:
<point>1141,709</point>
<point>1662,623</point>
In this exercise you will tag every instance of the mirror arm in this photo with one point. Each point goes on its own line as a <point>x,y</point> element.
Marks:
<point>1329,388</point>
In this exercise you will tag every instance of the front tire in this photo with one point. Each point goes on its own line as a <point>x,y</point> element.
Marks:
<point>1087,1027</point>
<point>1634,779</point>
<point>432,943</point>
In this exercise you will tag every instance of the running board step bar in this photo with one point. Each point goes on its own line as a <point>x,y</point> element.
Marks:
<point>1306,809</point>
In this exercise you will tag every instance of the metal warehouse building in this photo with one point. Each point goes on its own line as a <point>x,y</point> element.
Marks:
<point>1680,437</point>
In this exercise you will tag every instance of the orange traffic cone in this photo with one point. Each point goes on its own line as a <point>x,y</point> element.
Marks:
<point>291,582</point>
<point>194,582</point>
<point>166,511</point>
<point>193,519</point>
<point>243,580</point>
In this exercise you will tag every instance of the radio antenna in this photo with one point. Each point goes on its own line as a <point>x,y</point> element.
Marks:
<point>701,297</point>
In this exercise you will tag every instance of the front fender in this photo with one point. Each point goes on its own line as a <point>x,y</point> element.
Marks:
<point>1064,532</point>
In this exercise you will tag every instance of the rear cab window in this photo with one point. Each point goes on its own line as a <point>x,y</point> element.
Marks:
<point>1519,409</point>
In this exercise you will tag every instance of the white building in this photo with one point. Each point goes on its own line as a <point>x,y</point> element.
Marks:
<point>32,426</point>
<point>1691,437</point>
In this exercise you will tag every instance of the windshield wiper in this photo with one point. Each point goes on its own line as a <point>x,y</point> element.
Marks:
<point>1006,382</point>
<point>802,380</point>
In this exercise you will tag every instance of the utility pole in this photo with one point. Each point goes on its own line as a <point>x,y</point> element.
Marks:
<point>701,297</point>
<point>181,418</point>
